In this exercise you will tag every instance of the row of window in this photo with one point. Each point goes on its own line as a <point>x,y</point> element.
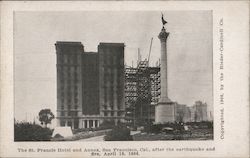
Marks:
<point>69,93</point>
<point>68,76</point>
<point>71,113</point>
<point>68,58</point>
<point>112,113</point>
<point>69,107</point>
<point>106,107</point>
<point>68,87</point>
<point>65,68</point>
<point>111,107</point>
<point>69,100</point>
<point>112,59</point>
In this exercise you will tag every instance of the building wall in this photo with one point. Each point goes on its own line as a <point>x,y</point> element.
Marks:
<point>111,82</point>
<point>69,98</point>
<point>195,113</point>
<point>182,113</point>
<point>199,112</point>
<point>90,86</point>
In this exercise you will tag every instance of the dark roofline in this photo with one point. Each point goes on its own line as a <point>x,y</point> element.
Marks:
<point>68,43</point>
<point>111,44</point>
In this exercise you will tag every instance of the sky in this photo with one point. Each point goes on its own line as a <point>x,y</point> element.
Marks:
<point>189,48</point>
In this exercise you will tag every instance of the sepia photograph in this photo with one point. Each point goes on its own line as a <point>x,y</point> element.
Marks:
<point>145,79</point>
<point>113,75</point>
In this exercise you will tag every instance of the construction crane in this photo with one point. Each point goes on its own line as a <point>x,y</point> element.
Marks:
<point>150,49</point>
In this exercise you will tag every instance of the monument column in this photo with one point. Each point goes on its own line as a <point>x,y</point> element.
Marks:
<point>164,111</point>
<point>164,65</point>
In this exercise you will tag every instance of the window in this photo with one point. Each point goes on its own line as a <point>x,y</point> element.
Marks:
<point>62,123</point>
<point>65,59</point>
<point>75,59</point>
<point>105,114</point>
<point>105,107</point>
<point>75,89</point>
<point>76,100</point>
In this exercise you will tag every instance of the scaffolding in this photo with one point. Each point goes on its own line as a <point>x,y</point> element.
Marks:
<point>142,92</point>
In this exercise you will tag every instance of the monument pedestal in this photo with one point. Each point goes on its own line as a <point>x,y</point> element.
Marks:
<point>164,112</point>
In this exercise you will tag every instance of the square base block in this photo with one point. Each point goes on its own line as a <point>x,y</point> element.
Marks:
<point>164,112</point>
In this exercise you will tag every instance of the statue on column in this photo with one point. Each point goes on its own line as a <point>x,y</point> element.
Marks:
<point>163,20</point>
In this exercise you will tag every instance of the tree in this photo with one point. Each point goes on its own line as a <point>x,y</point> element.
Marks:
<point>45,116</point>
<point>25,131</point>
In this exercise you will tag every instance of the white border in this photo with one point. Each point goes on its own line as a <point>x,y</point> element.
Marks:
<point>236,61</point>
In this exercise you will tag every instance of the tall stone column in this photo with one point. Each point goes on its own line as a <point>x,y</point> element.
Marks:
<point>87,123</point>
<point>97,123</point>
<point>164,65</point>
<point>164,111</point>
<point>83,123</point>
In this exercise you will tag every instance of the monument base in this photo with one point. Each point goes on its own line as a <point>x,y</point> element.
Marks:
<point>164,112</point>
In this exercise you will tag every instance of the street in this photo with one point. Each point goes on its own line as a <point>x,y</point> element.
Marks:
<point>97,138</point>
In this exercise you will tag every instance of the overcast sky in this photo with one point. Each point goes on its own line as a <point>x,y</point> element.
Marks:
<point>35,33</point>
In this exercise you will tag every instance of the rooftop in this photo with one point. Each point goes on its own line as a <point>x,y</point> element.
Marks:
<point>111,44</point>
<point>68,43</point>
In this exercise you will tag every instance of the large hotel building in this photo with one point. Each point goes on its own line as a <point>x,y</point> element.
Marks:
<point>90,85</point>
